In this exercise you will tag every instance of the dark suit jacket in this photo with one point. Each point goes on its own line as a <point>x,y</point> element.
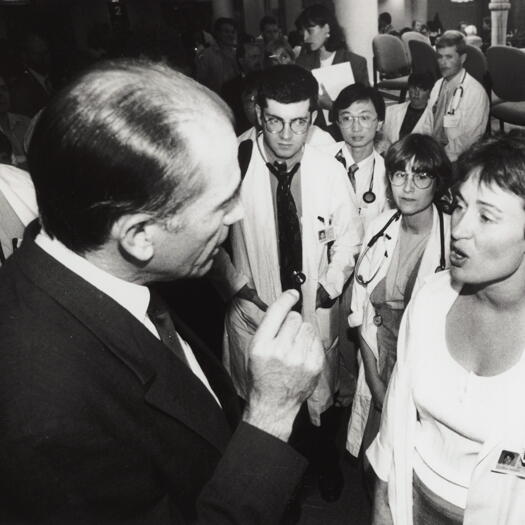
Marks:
<point>101,423</point>
<point>357,63</point>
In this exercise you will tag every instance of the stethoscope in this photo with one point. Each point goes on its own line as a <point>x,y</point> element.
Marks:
<point>368,196</point>
<point>382,232</point>
<point>456,97</point>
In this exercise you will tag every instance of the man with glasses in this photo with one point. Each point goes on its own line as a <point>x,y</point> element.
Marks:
<point>301,230</point>
<point>359,112</point>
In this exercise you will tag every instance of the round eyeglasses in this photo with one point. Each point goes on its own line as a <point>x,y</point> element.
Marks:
<point>365,121</point>
<point>299,126</point>
<point>421,179</point>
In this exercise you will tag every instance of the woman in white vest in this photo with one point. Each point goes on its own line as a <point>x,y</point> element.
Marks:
<point>400,249</point>
<point>451,448</point>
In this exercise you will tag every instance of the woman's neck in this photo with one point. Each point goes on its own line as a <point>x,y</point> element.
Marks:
<point>506,295</point>
<point>420,222</point>
<point>324,54</point>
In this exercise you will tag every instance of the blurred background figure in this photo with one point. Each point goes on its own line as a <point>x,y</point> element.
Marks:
<point>400,119</point>
<point>471,36</point>
<point>270,29</point>
<point>13,127</point>
<point>32,89</point>
<point>384,23</point>
<point>218,64</point>
<point>278,52</point>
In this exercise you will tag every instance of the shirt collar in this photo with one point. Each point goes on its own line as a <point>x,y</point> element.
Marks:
<point>133,297</point>
<point>349,159</point>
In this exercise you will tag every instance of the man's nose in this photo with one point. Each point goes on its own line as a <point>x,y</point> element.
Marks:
<point>286,131</point>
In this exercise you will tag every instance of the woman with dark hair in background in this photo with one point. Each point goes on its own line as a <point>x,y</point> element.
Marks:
<point>400,249</point>
<point>324,45</point>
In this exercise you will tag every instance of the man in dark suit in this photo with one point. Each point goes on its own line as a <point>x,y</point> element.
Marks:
<point>110,410</point>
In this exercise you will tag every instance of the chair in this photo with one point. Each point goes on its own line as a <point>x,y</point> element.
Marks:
<point>506,67</point>
<point>390,64</point>
<point>412,35</point>
<point>476,66</point>
<point>424,58</point>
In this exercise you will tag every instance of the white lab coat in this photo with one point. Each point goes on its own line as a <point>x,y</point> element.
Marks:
<point>363,311</point>
<point>473,113</point>
<point>394,116</point>
<point>493,498</point>
<point>367,211</point>
<point>325,196</point>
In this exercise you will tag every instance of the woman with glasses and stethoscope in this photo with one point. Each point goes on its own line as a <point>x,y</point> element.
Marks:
<point>400,248</point>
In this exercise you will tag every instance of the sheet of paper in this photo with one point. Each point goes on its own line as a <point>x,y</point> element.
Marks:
<point>334,78</point>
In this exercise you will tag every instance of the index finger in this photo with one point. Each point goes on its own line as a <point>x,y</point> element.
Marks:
<point>276,314</point>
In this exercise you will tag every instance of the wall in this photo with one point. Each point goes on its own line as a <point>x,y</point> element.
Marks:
<point>452,13</point>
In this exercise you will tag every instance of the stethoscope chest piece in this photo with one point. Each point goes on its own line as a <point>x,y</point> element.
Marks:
<point>378,320</point>
<point>369,197</point>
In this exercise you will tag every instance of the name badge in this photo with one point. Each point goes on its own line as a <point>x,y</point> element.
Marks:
<point>327,235</point>
<point>511,462</point>
<point>451,121</point>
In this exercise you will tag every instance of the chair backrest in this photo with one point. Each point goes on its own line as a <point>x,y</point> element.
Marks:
<point>414,35</point>
<point>476,64</point>
<point>424,58</point>
<point>506,67</point>
<point>389,56</point>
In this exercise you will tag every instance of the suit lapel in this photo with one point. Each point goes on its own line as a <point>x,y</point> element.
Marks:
<point>169,385</point>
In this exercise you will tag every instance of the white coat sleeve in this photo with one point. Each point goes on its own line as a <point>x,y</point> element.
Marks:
<point>348,235</point>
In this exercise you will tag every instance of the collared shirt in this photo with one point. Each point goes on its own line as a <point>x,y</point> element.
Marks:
<point>363,175</point>
<point>133,297</point>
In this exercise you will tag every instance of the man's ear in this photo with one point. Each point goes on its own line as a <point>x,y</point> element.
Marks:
<point>463,57</point>
<point>258,112</point>
<point>380,125</point>
<point>314,117</point>
<point>134,234</point>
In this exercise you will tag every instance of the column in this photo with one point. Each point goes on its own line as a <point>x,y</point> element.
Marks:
<point>222,8</point>
<point>293,9</point>
<point>499,12</point>
<point>358,19</point>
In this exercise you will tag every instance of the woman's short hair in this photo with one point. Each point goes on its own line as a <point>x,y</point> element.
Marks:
<point>319,15</point>
<point>497,160</point>
<point>279,44</point>
<point>429,156</point>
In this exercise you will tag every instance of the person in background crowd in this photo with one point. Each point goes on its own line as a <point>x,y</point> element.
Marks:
<point>18,207</point>
<point>31,90</point>
<point>250,59</point>
<point>13,126</point>
<point>458,108</point>
<point>269,29</point>
<point>384,23</point>
<point>411,242</point>
<point>301,230</point>
<point>279,52</point>
<point>400,119</point>
<point>324,45</point>
<point>439,454</point>
<point>471,36</point>
<point>217,64</point>
<point>129,418</point>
